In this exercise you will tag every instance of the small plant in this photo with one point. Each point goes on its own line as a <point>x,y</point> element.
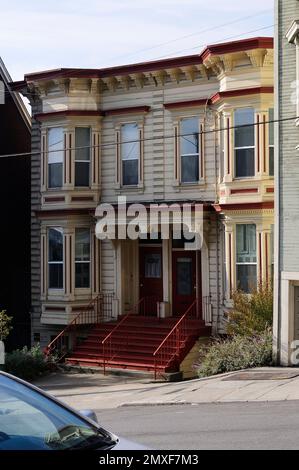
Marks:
<point>27,363</point>
<point>252,313</point>
<point>237,353</point>
<point>5,325</point>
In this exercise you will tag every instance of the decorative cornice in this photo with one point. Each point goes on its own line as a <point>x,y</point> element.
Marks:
<point>245,206</point>
<point>187,104</point>
<point>129,110</point>
<point>242,92</point>
<point>66,113</point>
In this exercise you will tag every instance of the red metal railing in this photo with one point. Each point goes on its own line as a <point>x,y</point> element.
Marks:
<point>170,347</point>
<point>99,310</point>
<point>110,347</point>
<point>147,306</point>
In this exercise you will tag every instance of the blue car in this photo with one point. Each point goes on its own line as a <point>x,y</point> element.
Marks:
<point>31,419</point>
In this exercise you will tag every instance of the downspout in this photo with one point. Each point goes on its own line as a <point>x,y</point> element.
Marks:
<point>217,222</point>
<point>277,280</point>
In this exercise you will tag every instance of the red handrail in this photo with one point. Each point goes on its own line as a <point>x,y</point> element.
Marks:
<point>99,309</point>
<point>170,347</point>
<point>110,349</point>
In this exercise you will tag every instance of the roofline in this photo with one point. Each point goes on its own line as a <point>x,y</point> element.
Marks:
<point>182,61</point>
<point>15,95</point>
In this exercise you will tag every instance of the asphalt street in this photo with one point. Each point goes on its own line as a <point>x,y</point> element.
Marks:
<point>273,425</point>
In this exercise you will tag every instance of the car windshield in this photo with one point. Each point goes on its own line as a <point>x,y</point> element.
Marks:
<point>31,421</point>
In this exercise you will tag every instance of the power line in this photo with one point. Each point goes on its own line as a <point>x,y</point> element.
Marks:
<point>8,92</point>
<point>218,42</point>
<point>147,139</point>
<point>222,25</point>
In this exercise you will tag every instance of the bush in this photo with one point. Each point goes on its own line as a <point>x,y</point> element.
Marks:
<point>27,363</point>
<point>237,353</point>
<point>251,314</point>
<point>5,325</point>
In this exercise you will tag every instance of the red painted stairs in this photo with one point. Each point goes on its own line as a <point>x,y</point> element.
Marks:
<point>135,342</point>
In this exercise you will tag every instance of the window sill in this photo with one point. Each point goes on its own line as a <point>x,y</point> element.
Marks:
<point>130,189</point>
<point>198,184</point>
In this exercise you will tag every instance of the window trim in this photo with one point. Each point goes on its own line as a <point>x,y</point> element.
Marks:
<point>83,161</point>
<point>178,155</point>
<point>89,262</point>
<point>45,142</point>
<point>55,289</point>
<point>238,263</point>
<point>247,147</point>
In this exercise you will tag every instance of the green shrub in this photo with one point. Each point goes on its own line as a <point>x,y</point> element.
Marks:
<point>27,363</point>
<point>238,352</point>
<point>5,325</point>
<point>252,313</point>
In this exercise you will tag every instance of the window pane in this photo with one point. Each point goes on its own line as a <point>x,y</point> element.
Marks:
<point>55,175</point>
<point>245,163</point>
<point>82,139</point>
<point>82,275</point>
<point>130,134</point>
<point>246,243</point>
<point>246,277</point>
<point>152,266</point>
<point>55,156</point>
<point>56,244</point>
<point>271,161</point>
<point>244,137</point>
<point>56,276</point>
<point>189,168</point>
<point>271,126</point>
<point>55,145</point>
<point>82,245</point>
<point>190,129</point>
<point>82,173</point>
<point>130,172</point>
<point>184,276</point>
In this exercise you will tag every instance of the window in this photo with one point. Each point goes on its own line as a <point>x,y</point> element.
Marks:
<point>130,154</point>
<point>55,157</point>
<point>153,266</point>
<point>271,142</point>
<point>82,258</point>
<point>55,258</point>
<point>246,257</point>
<point>244,143</point>
<point>189,148</point>
<point>82,156</point>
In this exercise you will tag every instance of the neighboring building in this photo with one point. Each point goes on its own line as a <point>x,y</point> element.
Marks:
<point>15,282</point>
<point>286,314</point>
<point>229,170</point>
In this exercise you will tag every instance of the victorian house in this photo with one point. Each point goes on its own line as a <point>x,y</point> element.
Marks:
<point>195,129</point>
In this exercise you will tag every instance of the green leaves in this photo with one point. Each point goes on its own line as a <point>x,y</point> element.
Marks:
<point>5,325</point>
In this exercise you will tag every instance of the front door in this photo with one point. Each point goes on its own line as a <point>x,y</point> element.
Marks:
<point>184,280</point>
<point>151,277</point>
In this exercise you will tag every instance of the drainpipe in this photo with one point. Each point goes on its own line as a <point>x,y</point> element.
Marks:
<point>277,267</point>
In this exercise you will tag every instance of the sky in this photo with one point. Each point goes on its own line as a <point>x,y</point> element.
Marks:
<point>44,34</point>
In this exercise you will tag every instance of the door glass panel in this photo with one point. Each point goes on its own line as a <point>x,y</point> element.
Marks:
<point>184,276</point>
<point>152,266</point>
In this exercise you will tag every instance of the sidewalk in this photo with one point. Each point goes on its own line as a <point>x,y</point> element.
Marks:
<point>103,392</point>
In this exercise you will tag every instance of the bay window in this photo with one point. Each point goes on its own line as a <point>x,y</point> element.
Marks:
<point>244,143</point>
<point>271,142</point>
<point>189,150</point>
<point>130,154</point>
<point>82,156</point>
<point>55,258</point>
<point>55,157</point>
<point>246,257</point>
<point>82,258</point>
